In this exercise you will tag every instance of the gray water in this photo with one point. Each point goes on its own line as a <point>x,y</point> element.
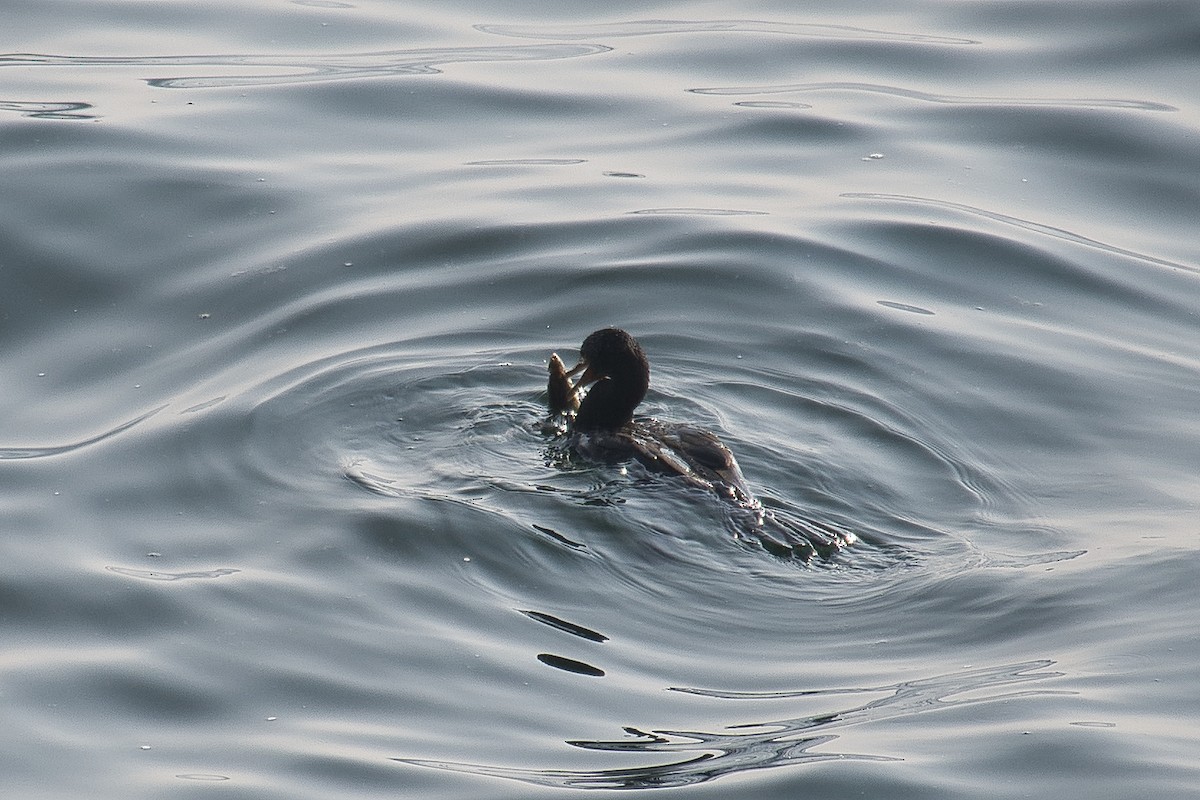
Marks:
<point>280,282</point>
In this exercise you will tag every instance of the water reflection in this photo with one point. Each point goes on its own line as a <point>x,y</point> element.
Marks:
<point>774,743</point>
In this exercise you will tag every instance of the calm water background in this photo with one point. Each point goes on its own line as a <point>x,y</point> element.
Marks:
<point>279,285</point>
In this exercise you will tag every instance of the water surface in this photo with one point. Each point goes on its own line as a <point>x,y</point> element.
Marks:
<point>281,281</point>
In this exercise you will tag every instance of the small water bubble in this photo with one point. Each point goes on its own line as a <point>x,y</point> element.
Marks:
<point>873,157</point>
<point>204,315</point>
<point>467,559</point>
<point>272,719</point>
<point>41,374</point>
<point>348,264</point>
<point>143,747</point>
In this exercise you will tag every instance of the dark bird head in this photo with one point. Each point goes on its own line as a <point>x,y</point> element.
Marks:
<point>615,367</point>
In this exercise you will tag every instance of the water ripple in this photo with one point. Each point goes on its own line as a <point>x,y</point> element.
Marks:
<point>654,26</point>
<point>931,97</point>
<point>700,212</point>
<point>1029,225</point>
<point>158,575</point>
<point>38,109</point>
<point>13,453</point>
<point>314,69</point>
<point>526,162</point>
<point>775,743</point>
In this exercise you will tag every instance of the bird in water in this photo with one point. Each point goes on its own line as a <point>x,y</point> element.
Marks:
<point>616,374</point>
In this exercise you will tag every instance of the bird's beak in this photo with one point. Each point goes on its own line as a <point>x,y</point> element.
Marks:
<point>589,375</point>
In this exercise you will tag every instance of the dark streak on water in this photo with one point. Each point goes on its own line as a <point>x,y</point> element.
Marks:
<point>570,665</point>
<point>565,626</point>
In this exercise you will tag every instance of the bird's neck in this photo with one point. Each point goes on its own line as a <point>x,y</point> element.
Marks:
<point>609,404</point>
